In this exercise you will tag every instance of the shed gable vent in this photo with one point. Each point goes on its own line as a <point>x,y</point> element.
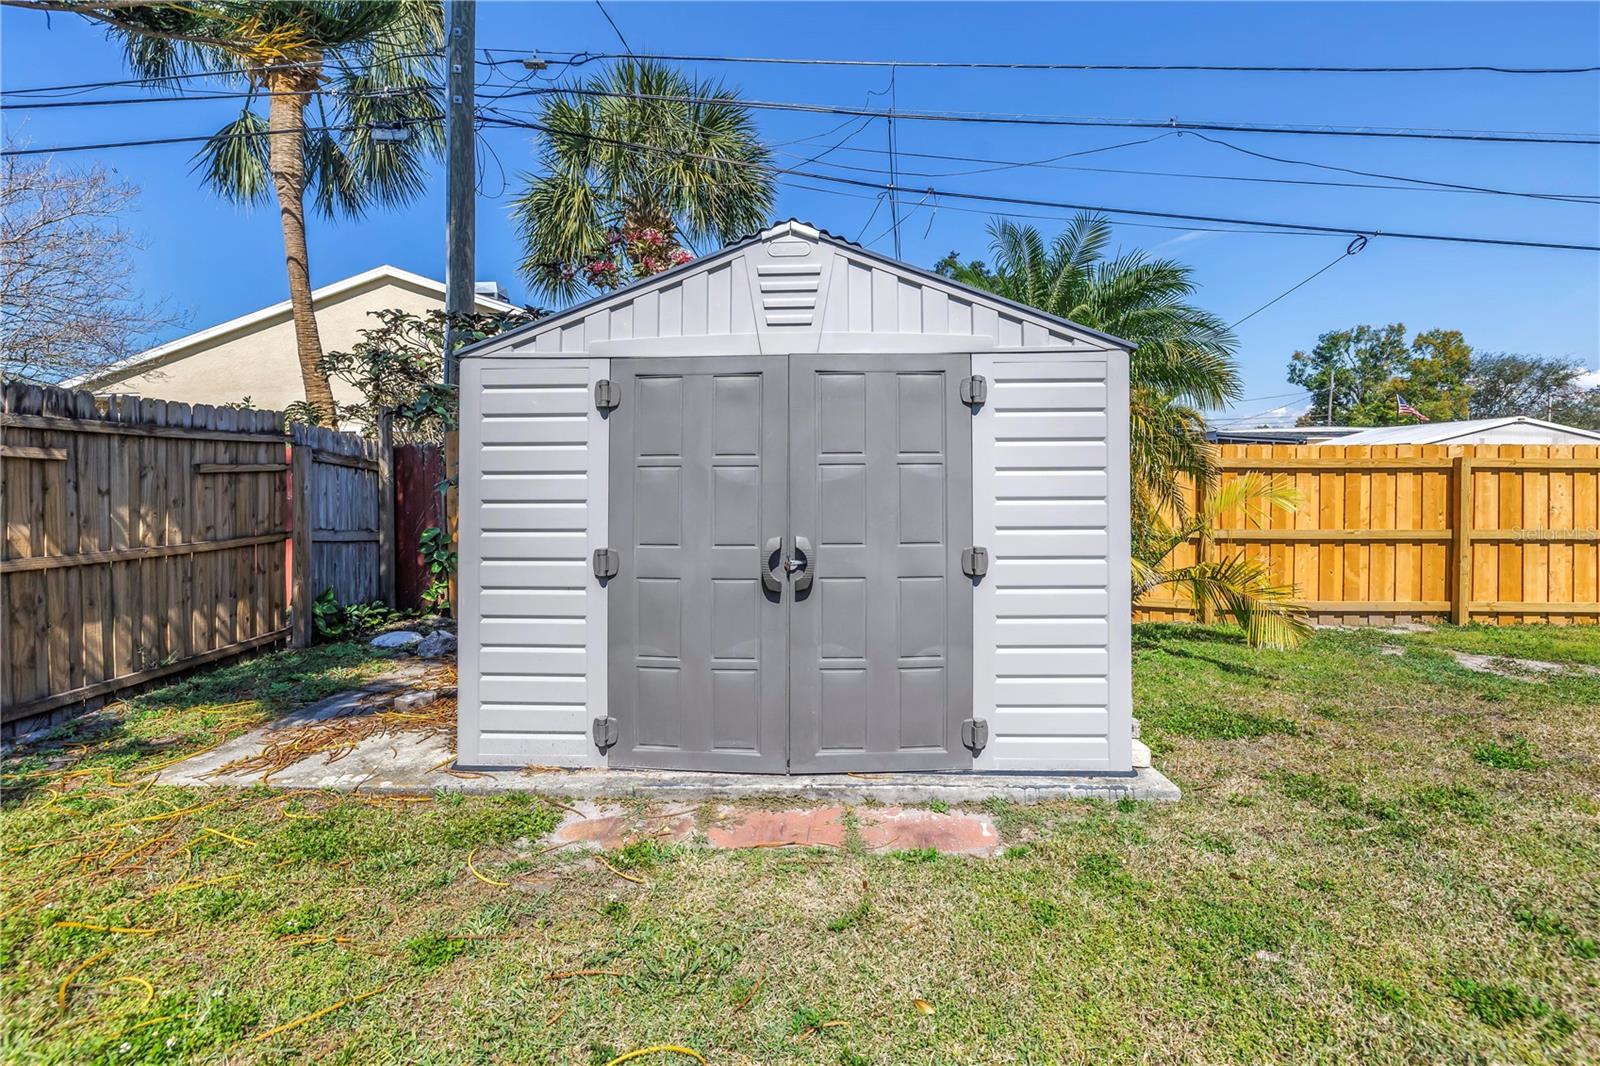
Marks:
<point>789,290</point>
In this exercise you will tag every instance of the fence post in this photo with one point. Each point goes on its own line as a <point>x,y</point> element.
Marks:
<point>1461,542</point>
<point>386,541</point>
<point>1205,548</point>
<point>452,494</point>
<point>300,461</point>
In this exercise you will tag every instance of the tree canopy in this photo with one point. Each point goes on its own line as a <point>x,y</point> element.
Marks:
<point>1370,367</point>
<point>1506,384</point>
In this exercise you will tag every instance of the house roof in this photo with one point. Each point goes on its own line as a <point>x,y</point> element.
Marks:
<point>790,228</point>
<point>267,315</point>
<point>1452,432</point>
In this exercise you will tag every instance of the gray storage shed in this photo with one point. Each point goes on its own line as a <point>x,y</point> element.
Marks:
<point>796,507</point>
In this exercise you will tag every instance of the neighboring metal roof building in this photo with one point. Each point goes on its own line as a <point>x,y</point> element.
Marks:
<point>1282,434</point>
<point>1517,430</point>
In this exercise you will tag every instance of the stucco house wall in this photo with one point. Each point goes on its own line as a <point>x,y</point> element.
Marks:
<point>254,355</point>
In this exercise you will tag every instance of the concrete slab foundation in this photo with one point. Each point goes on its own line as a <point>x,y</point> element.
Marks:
<point>411,763</point>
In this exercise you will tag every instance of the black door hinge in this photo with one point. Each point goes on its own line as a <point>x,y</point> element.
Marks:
<point>605,733</point>
<point>974,734</point>
<point>606,395</point>
<point>975,562</point>
<point>974,390</point>
<point>606,563</point>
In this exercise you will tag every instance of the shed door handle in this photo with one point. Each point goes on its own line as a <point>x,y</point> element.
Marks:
<point>772,565</point>
<point>801,566</point>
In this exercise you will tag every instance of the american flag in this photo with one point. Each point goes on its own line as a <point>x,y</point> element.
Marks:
<point>1406,409</point>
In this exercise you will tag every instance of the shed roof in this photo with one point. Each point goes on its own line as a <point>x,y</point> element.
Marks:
<point>789,289</point>
<point>1538,432</point>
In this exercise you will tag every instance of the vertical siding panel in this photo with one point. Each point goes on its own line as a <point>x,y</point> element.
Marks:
<point>695,292</point>
<point>960,315</point>
<point>671,324</point>
<point>985,321</point>
<point>909,318</point>
<point>647,314</point>
<point>742,310</point>
<point>885,302</point>
<point>935,311</point>
<point>1010,335</point>
<point>860,298</point>
<point>622,321</point>
<point>719,301</point>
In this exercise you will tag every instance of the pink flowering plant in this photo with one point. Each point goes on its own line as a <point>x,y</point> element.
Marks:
<point>632,251</point>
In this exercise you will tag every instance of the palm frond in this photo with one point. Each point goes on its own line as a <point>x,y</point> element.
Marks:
<point>235,162</point>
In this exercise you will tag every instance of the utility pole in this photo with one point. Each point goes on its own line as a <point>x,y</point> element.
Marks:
<point>894,196</point>
<point>460,145</point>
<point>459,227</point>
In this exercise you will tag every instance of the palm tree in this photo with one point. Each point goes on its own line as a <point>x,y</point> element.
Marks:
<point>1182,361</point>
<point>635,162</point>
<point>351,110</point>
<point>1238,586</point>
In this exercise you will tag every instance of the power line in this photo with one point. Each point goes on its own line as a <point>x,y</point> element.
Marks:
<point>40,105</point>
<point>613,22</point>
<point>989,118</point>
<point>1422,185</point>
<point>169,79</point>
<point>64,148</point>
<point>1064,205</point>
<point>1390,177</point>
<point>1088,67</point>
<point>1353,248</point>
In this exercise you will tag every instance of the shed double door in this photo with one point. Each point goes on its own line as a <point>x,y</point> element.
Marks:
<point>789,591</point>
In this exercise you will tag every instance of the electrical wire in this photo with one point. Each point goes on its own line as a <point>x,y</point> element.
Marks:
<point>614,28</point>
<point>64,148</point>
<point>990,118</point>
<point>1022,201</point>
<point>1419,184</point>
<point>1352,249</point>
<point>1087,67</point>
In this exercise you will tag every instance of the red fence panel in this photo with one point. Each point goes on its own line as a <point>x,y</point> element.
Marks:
<point>418,470</point>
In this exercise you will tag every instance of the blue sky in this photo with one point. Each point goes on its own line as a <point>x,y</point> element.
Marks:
<point>215,261</point>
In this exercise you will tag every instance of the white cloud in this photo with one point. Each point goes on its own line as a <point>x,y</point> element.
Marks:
<point>1589,379</point>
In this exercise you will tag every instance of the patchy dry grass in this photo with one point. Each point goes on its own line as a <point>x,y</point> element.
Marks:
<point>1350,876</point>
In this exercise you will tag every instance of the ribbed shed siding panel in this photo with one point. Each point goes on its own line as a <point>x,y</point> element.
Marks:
<point>527,506</point>
<point>1045,633</point>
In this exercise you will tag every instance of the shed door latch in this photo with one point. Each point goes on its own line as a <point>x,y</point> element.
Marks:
<point>975,562</point>
<point>974,734</point>
<point>605,732</point>
<point>606,563</point>
<point>606,395</point>
<point>974,390</point>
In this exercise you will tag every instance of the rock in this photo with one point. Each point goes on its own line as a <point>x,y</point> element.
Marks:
<point>400,638</point>
<point>410,701</point>
<point>1136,729</point>
<point>1141,754</point>
<point>437,645</point>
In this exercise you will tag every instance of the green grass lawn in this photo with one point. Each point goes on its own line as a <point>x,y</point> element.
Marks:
<point>1377,858</point>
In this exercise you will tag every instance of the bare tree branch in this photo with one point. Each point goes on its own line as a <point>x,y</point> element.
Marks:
<point>67,302</point>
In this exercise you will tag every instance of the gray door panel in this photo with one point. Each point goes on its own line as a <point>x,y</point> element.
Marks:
<point>881,486</point>
<point>698,646</point>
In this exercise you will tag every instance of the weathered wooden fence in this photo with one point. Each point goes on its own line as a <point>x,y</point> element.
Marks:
<point>1485,533</point>
<point>140,540</point>
<point>343,490</point>
<point>143,538</point>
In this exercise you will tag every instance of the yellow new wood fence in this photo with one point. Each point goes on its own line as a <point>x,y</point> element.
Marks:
<point>1499,534</point>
